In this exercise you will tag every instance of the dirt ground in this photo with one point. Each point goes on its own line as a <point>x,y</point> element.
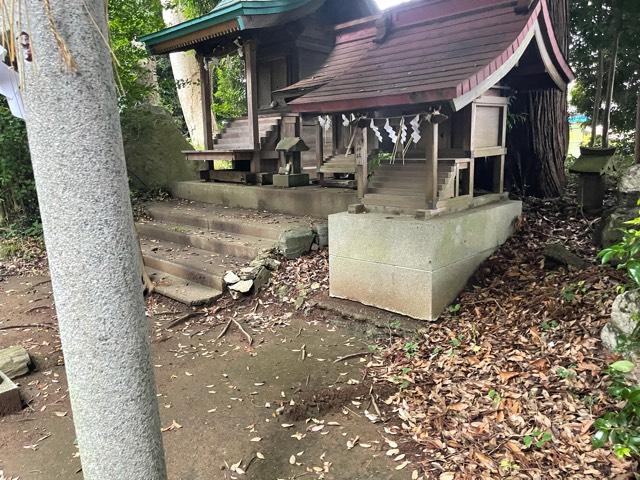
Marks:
<point>221,401</point>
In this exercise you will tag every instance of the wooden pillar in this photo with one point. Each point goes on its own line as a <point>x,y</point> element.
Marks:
<point>207,115</point>
<point>319,152</point>
<point>431,144</point>
<point>498,174</point>
<point>362,162</point>
<point>251,67</point>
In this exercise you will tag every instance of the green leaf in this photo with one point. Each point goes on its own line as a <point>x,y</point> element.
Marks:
<point>623,366</point>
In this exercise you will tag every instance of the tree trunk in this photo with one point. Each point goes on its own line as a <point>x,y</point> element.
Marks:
<point>186,75</point>
<point>637,133</point>
<point>597,101</point>
<point>76,146</point>
<point>611,81</point>
<point>538,145</point>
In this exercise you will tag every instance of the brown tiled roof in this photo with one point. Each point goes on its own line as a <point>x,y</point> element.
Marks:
<point>437,50</point>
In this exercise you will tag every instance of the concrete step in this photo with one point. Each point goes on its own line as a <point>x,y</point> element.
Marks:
<point>223,243</point>
<point>181,290</point>
<point>189,263</point>
<point>221,219</point>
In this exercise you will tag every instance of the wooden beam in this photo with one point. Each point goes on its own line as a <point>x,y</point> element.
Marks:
<point>431,146</point>
<point>498,174</point>
<point>205,95</point>
<point>249,48</point>
<point>319,152</point>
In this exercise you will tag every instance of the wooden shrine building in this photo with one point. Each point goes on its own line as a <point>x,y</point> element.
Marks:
<point>410,105</point>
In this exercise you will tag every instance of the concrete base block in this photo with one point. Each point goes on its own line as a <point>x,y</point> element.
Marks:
<point>292,180</point>
<point>9,396</point>
<point>409,266</point>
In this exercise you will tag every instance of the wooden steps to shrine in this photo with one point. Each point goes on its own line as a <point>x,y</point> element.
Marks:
<point>236,135</point>
<point>339,164</point>
<point>187,247</point>
<point>403,184</point>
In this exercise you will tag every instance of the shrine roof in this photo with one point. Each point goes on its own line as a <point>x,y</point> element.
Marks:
<point>430,51</point>
<point>226,17</point>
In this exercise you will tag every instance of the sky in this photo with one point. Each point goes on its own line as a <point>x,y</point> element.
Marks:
<point>389,3</point>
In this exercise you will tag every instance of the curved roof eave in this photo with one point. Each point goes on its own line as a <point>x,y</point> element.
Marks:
<point>223,13</point>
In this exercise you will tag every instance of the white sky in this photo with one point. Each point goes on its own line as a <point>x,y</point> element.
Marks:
<point>389,3</point>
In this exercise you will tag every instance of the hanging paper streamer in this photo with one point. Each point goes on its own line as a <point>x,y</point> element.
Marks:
<point>327,122</point>
<point>415,126</point>
<point>403,131</point>
<point>345,120</point>
<point>391,132</point>
<point>321,121</point>
<point>353,117</point>
<point>376,130</point>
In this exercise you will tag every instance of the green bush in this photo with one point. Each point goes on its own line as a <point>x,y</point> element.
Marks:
<point>626,253</point>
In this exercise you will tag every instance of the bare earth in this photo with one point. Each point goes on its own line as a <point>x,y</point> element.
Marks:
<point>218,399</point>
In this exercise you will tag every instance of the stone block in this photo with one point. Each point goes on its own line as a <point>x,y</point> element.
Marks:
<point>292,180</point>
<point>9,396</point>
<point>357,208</point>
<point>296,242</point>
<point>410,266</point>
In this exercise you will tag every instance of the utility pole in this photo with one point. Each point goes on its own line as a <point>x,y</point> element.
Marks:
<point>78,160</point>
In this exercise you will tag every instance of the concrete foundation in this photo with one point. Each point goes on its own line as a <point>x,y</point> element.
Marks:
<point>291,180</point>
<point>312,201</point>
<point>409,266</point>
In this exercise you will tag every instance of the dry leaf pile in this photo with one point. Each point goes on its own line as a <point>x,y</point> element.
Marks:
<point>509,385</point>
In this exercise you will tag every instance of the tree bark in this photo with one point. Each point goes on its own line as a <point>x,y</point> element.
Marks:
<point>637,133</point>
<point>538,145</point>
<point>597,101</point>
<point>76,146</point>
<point>611,81</point>
<point>186,75</point>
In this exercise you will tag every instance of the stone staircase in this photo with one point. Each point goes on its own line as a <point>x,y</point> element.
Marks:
<point>344,164</point>
<point>235,136</point>
<point>188,247</point>
<point>402,185</point>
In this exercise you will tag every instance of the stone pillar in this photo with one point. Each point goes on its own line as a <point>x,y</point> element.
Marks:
<point>78,161</point>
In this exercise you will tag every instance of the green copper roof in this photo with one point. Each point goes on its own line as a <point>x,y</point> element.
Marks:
<point>225,10</point>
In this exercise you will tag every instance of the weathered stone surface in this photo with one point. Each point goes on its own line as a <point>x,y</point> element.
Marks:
<point>9,396</point>
<point>296,242</point>
<point>625,316</point>
<point>559,254</point>
<point>243,286</point>
<point>291,180</point>
<point>409,266</point>
<point>230,278</point>
<point>262,278</point>
<point>610,231</point>
<point>625,312</point>
<point>14,361</point>
<point>630,181</point>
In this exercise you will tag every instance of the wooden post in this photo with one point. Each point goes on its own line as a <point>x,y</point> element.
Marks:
<point>498,174</point>
<point>207,115</point>
<point>431,144</point>
<point>362,163</point>
<point>249,47</point>
<point>319,152</point>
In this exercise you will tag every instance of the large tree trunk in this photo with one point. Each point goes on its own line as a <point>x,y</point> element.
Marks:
<point>597,101</point>
<point>637,133</point>
<point>186,74</point>
<point>74,133</point>
<point>611,82</point>
<point>538,145</point>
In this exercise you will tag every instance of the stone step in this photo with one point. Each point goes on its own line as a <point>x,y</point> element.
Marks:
<point>223,243</point>
<point>384,190</point>
<point>189,263</point>
<point>181,290</point>
<point>221,219</point>
<point>401,201</point>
